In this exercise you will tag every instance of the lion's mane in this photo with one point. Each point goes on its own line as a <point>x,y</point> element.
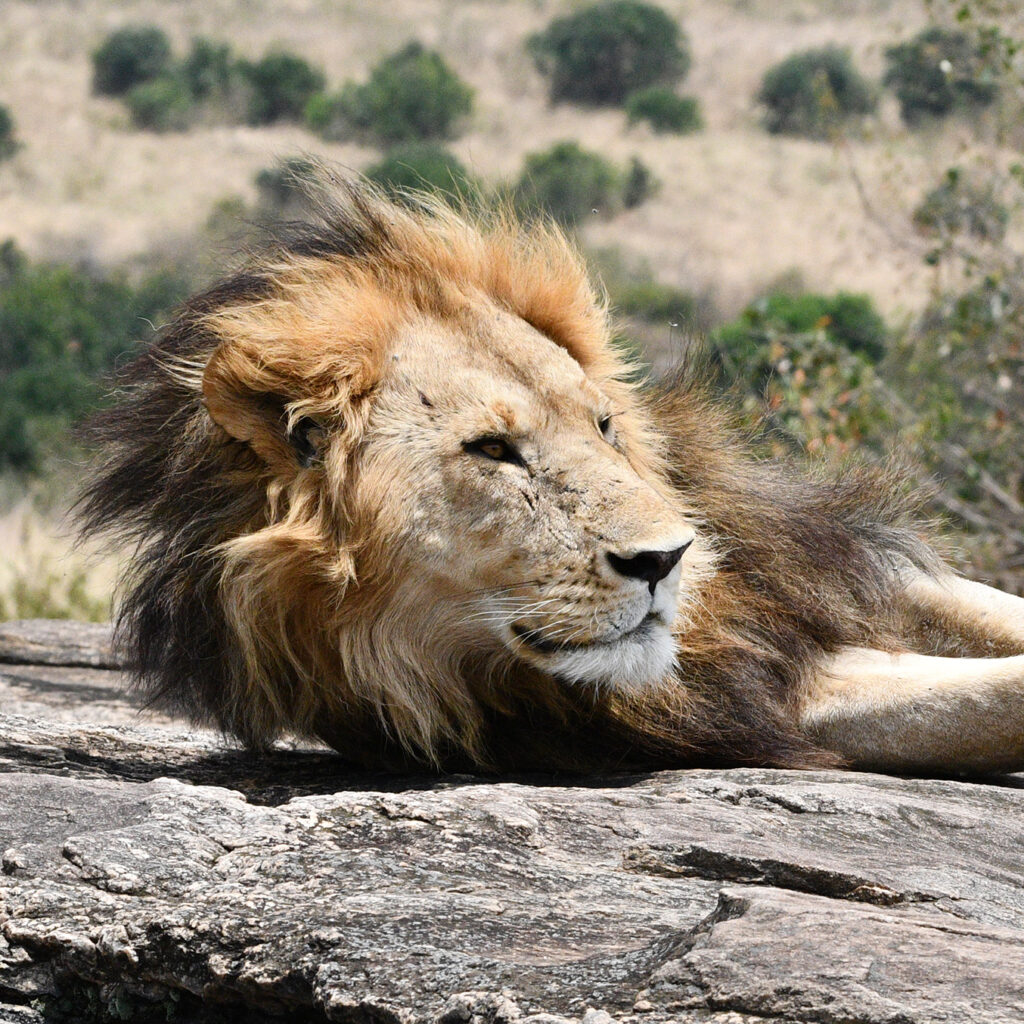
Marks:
<point>244,575</point>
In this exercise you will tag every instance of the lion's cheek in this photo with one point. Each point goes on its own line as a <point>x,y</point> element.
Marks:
<point>461,544</point>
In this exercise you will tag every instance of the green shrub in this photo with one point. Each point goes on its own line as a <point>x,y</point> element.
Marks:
<point>8,141</point>
<point>938,71</point>
<point>411,94</point>
<point>658,303</point>
<point>208,69</point>
<point>129,56</point>
<point>282,188</point>
<point>959,369</point>
<point>568,182</point>
<point>638,185</point>
<point>806,362</point>
<point>813,395</point>
<point>327,114</point>
<point>846,319</point>
<point>422,165</point>
<point>281,85</point>
<point>852,321</point>
<point>960,206</point>
<point>813,92</point>
<point>52,590</point>
<point>61,328</point>
<point>161,105</point>
<point>664,111</point>
<point>601,54</point>
<point>208,81</point>
<point>634,292</point>
<point>985,320</point>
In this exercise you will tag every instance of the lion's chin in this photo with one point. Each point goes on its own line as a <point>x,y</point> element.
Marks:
<point>641,658</point>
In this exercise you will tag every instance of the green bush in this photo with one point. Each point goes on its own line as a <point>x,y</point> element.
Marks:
<point>939,71</point>
<point>422,165</point>
<point>8,141</point>
<point>846,319</point>
<point>208,69</point>
<point>50,590</point>
<point>658,303</point>
<point>959,370</point>
<point>638,185</point>
<point>985,320</point>
<point>129,56</point>
<point>601,54</point>
<point>850,319</point>
<point>209,81</point>
<point>806,362</point>
<point>326,114</point>
<point>634,292</point>
<point>161,105</point>
<point>568,182</point>
<point>282,188</point>
<point>61,328</point>
<point>960,206</point>
<point>664,111</point>
<point>411,95</point>
<point>281,85</point>
<point>813,92</point>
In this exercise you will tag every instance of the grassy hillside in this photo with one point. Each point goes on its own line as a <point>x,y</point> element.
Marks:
<point>737,213</point>
<point>737,207</point>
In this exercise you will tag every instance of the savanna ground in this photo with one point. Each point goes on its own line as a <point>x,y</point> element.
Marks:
<point>737,210</point>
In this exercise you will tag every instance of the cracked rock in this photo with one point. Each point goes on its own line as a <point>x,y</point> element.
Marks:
<point>150,873</point>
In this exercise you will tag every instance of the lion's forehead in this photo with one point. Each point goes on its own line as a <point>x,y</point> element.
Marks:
<point>494,359</point>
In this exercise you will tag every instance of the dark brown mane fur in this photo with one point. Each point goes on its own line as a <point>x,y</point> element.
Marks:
<point>806,564</point>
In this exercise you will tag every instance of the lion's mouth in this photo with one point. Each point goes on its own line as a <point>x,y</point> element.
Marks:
<point>536,641</point>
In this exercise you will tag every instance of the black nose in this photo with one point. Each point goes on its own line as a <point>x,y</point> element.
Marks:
<point>652,566</point>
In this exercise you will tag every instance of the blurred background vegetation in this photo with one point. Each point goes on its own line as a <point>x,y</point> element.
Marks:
<point>827,197</point>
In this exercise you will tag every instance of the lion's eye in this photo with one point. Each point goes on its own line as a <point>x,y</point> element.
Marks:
<point>495,448</point>
<point>604,424</point>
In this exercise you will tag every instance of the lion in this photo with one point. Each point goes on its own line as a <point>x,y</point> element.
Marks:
<point>390,487</point>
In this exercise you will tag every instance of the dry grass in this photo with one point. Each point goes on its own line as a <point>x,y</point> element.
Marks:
<point>737,208</point>
<point>44,571</point>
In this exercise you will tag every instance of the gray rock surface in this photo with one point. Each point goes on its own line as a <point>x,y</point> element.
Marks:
<point>56,642</point>
<point>150,872</point>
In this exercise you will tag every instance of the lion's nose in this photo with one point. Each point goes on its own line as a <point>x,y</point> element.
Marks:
<point>652,566</point>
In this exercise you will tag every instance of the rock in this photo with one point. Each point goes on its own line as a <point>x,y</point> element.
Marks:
<point>56,642</point>
<point>152,873</point>
<point>832,961</point>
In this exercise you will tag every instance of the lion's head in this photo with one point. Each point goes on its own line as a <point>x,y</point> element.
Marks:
<point>388,473</point>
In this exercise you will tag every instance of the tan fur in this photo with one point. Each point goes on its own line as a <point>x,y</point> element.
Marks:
<point>918,712</point>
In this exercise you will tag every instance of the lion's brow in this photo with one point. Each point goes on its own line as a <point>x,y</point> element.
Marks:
<point>505,415</point>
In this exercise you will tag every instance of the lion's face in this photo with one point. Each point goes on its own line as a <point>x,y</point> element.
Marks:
<point>498,481</point>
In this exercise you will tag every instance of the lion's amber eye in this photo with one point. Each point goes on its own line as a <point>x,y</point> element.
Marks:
<point>495,448</point>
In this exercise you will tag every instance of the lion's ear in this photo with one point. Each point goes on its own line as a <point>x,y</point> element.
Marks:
<point>252,403</point>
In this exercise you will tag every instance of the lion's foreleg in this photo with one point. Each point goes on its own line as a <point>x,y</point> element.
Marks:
<point>914,712</point>
<point>958,616</point>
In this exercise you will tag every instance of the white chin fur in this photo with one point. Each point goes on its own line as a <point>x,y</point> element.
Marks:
<point>629,664</point>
